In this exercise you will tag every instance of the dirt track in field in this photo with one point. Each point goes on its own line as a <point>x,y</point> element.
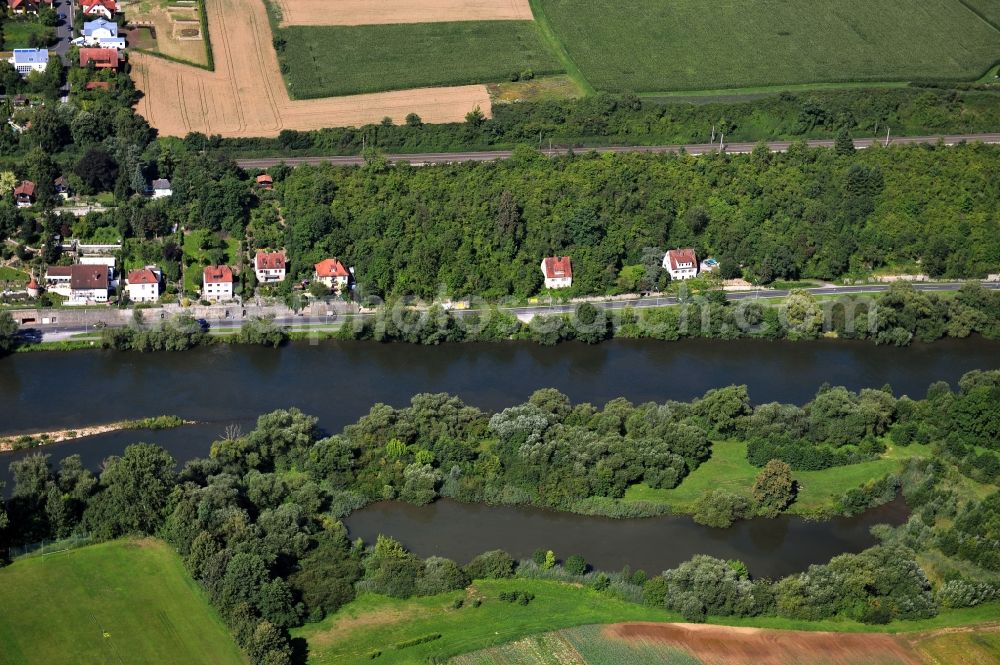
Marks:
<point>371,12</point>
<point>724,645</point>
<point>246,96</point>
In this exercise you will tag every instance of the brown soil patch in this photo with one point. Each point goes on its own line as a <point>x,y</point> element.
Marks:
<point>724,645</point>
<point>246,96</point>
<point>371,12</point>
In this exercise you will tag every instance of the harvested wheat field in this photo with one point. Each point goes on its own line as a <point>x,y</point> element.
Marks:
<point>372,12</point>
<point>724,645</point>
<point>246,96</point>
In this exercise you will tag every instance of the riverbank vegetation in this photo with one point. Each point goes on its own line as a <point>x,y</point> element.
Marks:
<point>257,523</point>
<point>22,441</point>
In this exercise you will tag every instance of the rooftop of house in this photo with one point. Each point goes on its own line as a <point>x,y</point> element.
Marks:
<point>264,179</point>
<point>331,268</point>
<point>161,183</point>
<point>142,276</point>
<point>218,275</point>
<point>25,188</point>
<point>677,257</point>
<point>556,267</point>
<point>270,260</point>
<point>84,276</point>
<point>100,24</point>
<point>99,56</point>
<point>30,56</point>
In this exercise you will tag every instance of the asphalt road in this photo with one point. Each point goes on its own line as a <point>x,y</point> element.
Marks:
<point>424,159</point>
<point>66,332</point>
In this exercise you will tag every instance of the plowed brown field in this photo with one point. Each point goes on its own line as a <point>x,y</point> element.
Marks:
<point>245,95</point>
<point>371,12</point>
<point>724,645</point>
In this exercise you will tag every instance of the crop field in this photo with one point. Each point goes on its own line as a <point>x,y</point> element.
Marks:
<point>246,96</point>
<point>988,9</point>
<point>366,12</point>
<point>699,45</point>
<point>178,32</point>
<point>687,644</point>
<point>729,469</point>
<point>326,61</point>
<point>118,602</point>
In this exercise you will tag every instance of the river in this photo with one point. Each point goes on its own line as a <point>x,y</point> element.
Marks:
<point>338,382</point>
<point>770,548</point>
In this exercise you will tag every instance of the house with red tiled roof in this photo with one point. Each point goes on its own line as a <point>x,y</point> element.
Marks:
<point>264,181</point>
<point>270,266</point>
<point>558,272</point>
<point>102,58</point>
<point>24,194</point>
<point>105,8</point>
<point>333,274</point>
<point>143,285</point>
<point>28,6</point>
<point>217,283</point>
<point>681,263</point>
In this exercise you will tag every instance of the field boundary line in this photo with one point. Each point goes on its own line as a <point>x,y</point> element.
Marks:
<point>544,27</point>
<point>982,16</point>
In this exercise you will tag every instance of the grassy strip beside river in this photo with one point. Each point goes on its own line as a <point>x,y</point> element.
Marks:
<point>373,623</point>
<point>22,441</point>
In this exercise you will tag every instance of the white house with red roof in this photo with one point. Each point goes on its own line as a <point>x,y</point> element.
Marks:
<point>333,274</point>
<point>217,283</point>
<point>681,263</point>
<point>143,285</point>
<point>270,266</point>
<point>558,272</point>
<point>105,8</point>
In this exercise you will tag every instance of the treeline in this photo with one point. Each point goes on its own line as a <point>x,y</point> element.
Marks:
<point>257,523</point>
<point>895,317</point>
<point>609,119</point>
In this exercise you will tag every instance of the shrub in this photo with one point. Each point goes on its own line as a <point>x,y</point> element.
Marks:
<point>575,565</point>
<point>492,565</point>
<point>720,508</point>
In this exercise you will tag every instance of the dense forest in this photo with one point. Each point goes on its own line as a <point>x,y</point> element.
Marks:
<point>257,523</point>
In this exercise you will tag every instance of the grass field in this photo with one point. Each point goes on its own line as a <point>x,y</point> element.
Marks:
<point>650,45</point>
<point>326,61</point>
<point>119,602</point>
<point>728,469</point>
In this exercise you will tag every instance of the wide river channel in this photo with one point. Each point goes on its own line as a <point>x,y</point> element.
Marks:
<point>338,382</point>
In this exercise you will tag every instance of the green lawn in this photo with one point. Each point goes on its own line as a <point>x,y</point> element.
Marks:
<point>120,602</point>
<point>17,31</point>
<point>729,469</point>
<point>326,61</point>
<point>651,45</point>
<point>377,623</point>
<point>192,247</point>
<point>12,276</point>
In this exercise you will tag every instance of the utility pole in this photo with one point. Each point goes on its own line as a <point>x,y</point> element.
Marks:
<point>887,136</point>
<point>713,134</point>
<point>722,145</point>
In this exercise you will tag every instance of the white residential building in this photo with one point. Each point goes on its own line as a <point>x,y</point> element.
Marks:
<point>681,264</point>
<point>333,274</point>
<point>143,285</point>
<point>217,283</point>
<point>558,272</point>
<point>270,267</point>
<point>161,188</point>
<point>27,60</point>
